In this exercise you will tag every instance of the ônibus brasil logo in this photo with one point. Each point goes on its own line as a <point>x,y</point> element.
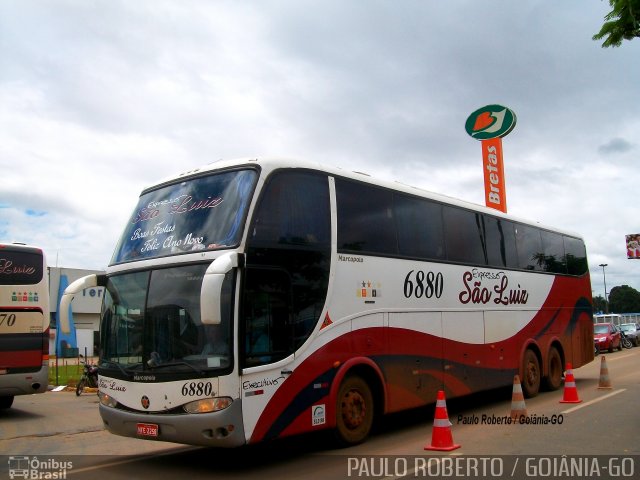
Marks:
<point>491,121</point>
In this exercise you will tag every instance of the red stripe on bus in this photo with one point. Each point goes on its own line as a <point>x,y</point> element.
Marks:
<point>25,358</point>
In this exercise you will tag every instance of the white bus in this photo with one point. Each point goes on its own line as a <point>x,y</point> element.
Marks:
<point>24,322</point>
<point>256,299</point>
<point>614,318</point>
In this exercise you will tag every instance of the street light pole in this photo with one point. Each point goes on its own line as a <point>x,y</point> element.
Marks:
<point>604,276</point>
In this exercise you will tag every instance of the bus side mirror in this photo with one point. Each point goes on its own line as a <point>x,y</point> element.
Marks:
<point>74,288</point>
<point>211,291</point>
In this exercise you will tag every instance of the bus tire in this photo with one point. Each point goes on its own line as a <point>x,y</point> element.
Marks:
<point>354,411</point>
<point>530,374</point>
<point>553,381</point>
<point>6,402</point>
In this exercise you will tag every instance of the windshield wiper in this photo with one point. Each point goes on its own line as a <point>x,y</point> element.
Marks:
<point>134,367</point>
<point>118,366</point>
<point>156,366</point>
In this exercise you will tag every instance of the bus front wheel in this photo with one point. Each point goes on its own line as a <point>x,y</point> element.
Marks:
<point>530,374</point>
<point>354,411</point>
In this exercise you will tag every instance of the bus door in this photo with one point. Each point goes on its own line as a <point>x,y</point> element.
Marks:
<point>284,286</point>
<point>266,338</point>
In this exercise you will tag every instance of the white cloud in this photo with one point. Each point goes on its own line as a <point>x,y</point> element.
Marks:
<point>100,99</point>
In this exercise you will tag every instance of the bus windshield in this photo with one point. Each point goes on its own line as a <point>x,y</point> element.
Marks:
<point>197,214</point>
<point>151,321</point>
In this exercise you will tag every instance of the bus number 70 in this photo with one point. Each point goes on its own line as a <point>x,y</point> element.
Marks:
<point>9,318</point>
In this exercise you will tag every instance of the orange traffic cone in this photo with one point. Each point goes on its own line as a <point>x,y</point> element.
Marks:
<point>518,408</point>
<point>441,438</point>
<point>570,390</point>
<point>605,382</point>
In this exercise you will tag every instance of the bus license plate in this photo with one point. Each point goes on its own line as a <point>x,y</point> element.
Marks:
<point>147,429</point>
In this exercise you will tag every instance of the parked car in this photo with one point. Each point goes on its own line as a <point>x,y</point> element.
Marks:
<point>632,331</point>
<point>607,336</point>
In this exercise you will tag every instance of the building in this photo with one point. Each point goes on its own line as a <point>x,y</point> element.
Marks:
<point>85,337</point>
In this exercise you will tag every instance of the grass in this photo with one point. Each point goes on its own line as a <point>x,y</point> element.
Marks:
<point>67,374</point>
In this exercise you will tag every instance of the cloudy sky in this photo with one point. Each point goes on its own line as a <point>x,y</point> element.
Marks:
<point>99,99</point>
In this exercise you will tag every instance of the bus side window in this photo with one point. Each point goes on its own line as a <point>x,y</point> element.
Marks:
<point>501,243</point>
<point>576,256</point>
<point>529,245</point>
<point>365,219</point>
<point>464,236</point>
<point>419,225</point>
<point>554,259</point>
<point>287,215</point>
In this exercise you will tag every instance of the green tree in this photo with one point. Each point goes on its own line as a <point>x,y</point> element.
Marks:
<point>624,299</point>
<point>599,305</point>
<point>621,23</point>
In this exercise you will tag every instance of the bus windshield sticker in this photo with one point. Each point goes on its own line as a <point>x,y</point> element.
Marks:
<point>20,268</point>
<point>202,213</point>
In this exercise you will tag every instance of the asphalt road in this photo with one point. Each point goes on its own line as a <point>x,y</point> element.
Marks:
<point>64,427</point>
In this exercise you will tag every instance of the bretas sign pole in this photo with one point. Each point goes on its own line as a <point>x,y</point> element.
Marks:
<point>489,124</point>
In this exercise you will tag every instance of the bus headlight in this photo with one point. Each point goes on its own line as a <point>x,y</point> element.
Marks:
<point>207,405</point>
<point>107,400</point>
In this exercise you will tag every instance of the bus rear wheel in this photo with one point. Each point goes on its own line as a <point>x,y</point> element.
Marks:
<point>6,402</point>
<point>354,411</point>
<point>530,374</point>
<point>553,381</point>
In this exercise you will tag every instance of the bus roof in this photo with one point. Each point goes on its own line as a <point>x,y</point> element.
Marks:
<point>20,247</point>
<point>274,163</point>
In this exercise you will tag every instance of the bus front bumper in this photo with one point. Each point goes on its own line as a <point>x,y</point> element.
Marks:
<point>217,429</point>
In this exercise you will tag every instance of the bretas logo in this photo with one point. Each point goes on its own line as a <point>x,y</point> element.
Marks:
<point>492,121</point>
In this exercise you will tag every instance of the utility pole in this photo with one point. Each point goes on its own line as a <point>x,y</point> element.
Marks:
<point>604,276</point>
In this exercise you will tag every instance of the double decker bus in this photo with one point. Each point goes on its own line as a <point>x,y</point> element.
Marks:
<point>24,322</point>
<point>256,299</point>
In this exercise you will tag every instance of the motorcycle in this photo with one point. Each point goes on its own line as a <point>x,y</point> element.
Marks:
<point>89,378</point>
<point>624,340</point>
